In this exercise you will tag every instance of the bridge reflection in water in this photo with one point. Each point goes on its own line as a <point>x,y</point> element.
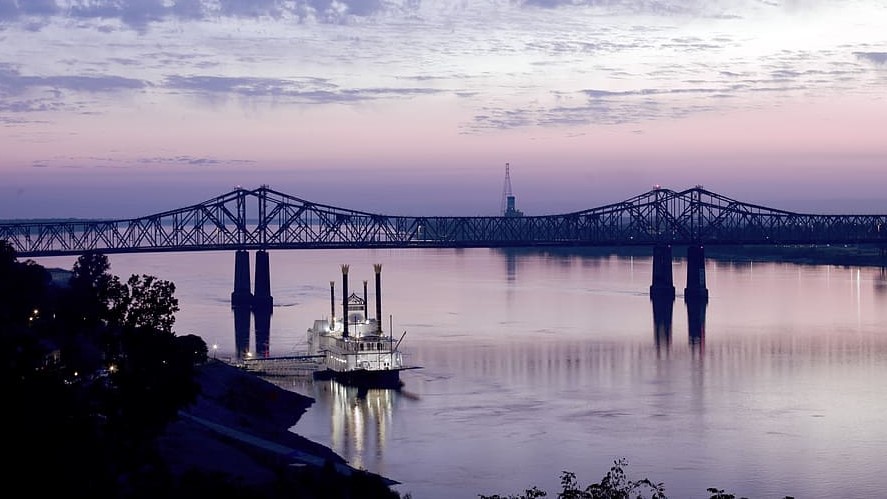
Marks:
<point>663,311</point>
<point>244,316</point>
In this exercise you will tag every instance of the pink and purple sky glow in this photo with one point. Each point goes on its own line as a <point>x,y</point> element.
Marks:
<point>122,108</point>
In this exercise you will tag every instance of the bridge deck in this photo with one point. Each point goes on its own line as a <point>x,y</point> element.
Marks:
<point>266,219</point>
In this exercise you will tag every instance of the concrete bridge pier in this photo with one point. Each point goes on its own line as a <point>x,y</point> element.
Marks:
<point>241,297</point>
<point>262,299</point>
<point>663,282</point>
<point>696,290</point>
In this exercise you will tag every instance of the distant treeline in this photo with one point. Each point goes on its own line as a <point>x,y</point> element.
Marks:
<point>835,254</point>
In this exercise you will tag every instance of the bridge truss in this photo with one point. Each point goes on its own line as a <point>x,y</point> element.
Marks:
<point>267,219</point>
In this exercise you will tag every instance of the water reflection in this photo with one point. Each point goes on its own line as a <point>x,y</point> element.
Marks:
<point>241,331</point>
<point>663,307</point>
<point>557,367</point>
<point>242,321</point>
<point>880,281</point>
<point>696,323</point>
<point>360,420</point>
<point>510,266</point>
<point>262,317</point>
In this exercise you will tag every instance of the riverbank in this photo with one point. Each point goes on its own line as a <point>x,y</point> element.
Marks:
<point>238,430</point>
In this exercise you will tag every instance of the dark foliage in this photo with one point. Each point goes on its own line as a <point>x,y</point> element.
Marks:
<point>94,373</point>
<point>614,485</point>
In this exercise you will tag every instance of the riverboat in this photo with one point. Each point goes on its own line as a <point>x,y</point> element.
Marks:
<point>353,349</point>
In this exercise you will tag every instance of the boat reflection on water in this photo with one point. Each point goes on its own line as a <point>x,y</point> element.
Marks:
<point>360,420</point>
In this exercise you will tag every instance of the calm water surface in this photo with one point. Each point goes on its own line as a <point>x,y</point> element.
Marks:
<point>536,363</point>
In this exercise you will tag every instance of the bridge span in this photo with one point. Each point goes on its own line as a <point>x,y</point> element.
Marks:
<point>263,219</point>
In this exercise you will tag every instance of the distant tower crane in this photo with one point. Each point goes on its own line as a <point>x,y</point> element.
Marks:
<point>508,209</point>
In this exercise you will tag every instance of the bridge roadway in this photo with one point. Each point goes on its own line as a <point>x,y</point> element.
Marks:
<point>263,219</point>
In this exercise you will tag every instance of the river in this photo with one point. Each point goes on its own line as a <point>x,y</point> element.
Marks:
<point>534,363</point>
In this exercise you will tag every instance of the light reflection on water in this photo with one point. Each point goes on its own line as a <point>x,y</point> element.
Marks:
<point>536,363</point>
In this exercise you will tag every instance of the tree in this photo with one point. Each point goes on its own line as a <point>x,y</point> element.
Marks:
<point>192,348</point>
<point>614,485</point>
<point>23,289</point>
<point>146,302</point>
<point>93,289</point>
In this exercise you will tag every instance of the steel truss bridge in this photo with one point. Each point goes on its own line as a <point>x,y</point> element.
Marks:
<point>264,219</point>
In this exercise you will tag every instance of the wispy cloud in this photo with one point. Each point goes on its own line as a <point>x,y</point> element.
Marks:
<point>12,82</point>
<point>109,162</point>
<point>300,90</point>
<point>879,58</point>
<point>510,63</point>
<point>186,160</point>
<point>140,14</point>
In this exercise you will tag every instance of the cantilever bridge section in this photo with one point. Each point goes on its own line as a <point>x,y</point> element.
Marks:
<point>263,219</point>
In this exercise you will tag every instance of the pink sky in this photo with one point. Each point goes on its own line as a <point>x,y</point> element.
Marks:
<point>414,108</point>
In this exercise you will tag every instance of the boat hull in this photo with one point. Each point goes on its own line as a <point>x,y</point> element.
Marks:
<point>386,378</point>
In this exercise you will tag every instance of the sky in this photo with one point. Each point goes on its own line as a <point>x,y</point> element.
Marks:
<point>123,108</point>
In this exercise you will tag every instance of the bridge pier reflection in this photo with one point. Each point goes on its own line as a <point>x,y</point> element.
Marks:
<point>696,323</point>
<point>243,318</point>
<point>663,308</point>
<point>241,332</point>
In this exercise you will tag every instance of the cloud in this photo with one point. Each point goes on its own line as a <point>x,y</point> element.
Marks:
<point>107,162</point>
<point>879,58</point>
<point>708,8</point>
<point>186,160</point>
<point>36,94</point>
<point>12,82</point>
<point>140,14</point>
<point>304,90</point>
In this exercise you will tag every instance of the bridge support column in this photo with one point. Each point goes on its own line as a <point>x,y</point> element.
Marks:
<point>695,290</point>
<point>663,282</point>
<point>262,299</point>
<point>241,297</point>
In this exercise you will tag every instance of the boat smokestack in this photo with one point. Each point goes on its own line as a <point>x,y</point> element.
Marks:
<point>345,299</point>
<point>378,268</point>
<point>332,304</point>
<point>366,304</point>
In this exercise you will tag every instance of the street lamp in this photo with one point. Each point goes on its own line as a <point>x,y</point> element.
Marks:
<point>215,347</point>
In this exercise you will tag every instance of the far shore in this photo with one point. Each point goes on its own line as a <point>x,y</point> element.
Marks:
<point>849,255</point>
